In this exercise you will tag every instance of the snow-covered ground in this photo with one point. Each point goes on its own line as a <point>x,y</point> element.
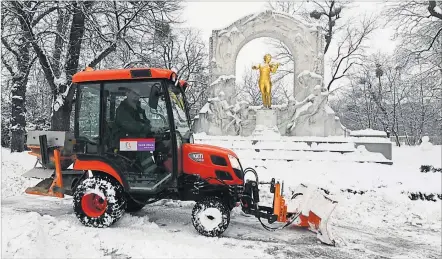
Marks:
<point>382,222</point>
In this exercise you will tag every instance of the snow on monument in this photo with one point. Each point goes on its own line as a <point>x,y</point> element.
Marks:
<point>307,114</point>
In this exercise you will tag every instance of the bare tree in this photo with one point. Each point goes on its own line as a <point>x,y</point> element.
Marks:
<point>185,51</point>
<point>38,101</point>
<point>326,13</point>
<point>351,49</point>
<point>289,7</point>
<point>130,31</point>
<point>73,23</point>
<point>411,17</point>
<point>385,96</point>
<point>62,94</point>
<point>6,110</point>
<point>17,59</point>
<point>418,27</point>
<point>249,88</point>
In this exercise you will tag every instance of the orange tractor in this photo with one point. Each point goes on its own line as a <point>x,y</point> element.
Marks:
<point>132,145</point>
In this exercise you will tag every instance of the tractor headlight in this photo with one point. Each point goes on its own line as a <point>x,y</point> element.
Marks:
<point>234,162</point>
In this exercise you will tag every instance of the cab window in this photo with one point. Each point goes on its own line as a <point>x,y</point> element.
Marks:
<point>179,109</point>
<point>88,105</point>
<point>128,114</point>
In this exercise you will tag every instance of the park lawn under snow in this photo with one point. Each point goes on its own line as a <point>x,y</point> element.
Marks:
<point>382,221</point>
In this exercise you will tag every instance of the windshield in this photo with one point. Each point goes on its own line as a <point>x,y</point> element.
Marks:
<point>140,90</point>
<point>135,94</point>
<point>179,105</point>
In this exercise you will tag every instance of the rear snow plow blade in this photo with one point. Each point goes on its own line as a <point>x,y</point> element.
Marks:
<point>313,211</point>
<point>49,186</point>
<point>52,163</point>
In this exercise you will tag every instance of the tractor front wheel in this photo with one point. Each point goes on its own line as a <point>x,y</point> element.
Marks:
<point>210,216</point>
<point>99,201</point>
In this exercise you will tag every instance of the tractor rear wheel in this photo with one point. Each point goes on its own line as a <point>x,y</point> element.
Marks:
<point>210,216</point>
<point>99,201</point>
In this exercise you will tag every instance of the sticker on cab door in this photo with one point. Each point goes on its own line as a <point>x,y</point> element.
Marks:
<point>137,144</point>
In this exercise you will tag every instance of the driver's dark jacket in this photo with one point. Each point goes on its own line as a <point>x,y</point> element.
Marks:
<point>130,121</point>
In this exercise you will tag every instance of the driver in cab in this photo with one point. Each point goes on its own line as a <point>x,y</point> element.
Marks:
<point>130,117</point>
<point>132,121</point>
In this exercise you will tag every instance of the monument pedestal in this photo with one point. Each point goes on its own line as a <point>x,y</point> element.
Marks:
<point>266,123</point>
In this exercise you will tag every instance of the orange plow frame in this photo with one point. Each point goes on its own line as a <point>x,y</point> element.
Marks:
<point>280,209</point>
<point>310,221</point>
<point>279,206</point>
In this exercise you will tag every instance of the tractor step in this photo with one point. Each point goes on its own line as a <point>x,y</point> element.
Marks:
<point>161,179</point>
<point>39,173</point>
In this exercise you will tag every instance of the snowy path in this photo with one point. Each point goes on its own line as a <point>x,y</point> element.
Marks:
<point>382,223</point>
<point>48,227</point>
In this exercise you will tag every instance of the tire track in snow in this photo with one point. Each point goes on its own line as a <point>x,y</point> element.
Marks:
<point>174,218</point>
<point>286,243</point>
<point>129,237</point>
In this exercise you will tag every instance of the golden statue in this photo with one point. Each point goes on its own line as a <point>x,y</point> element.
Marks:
<point>264,83</point>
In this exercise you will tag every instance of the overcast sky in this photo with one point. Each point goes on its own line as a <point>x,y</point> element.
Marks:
<point>210,15</point>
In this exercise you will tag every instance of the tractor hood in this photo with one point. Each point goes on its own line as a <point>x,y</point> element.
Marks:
<point>211,161</point>
<point>210,149</point>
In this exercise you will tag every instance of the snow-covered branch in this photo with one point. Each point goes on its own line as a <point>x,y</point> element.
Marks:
<point>350,49</point>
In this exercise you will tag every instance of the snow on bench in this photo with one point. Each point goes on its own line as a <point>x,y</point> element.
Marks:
<point>297,148</point>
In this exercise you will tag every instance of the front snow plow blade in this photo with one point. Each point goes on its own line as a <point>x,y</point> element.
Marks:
<point>311,209</point>
<point>314,210</point>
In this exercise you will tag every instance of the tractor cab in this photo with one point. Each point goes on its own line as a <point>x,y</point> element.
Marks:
<point>135,118</point>
<point>130,124</point>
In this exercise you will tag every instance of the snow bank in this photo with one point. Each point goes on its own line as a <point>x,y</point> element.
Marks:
<point>37,236</point>
<point>274,146</point>
<point>403,176</point>
<point>47,228</point>
<point>369,195</point>
<point>13,166</point>
<point>368,133</point>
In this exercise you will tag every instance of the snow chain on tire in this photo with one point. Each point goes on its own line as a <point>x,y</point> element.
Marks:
<point>219,222</point>
<point>113,193</point>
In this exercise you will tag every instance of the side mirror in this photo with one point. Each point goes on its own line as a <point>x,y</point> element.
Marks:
<point>154,96</point>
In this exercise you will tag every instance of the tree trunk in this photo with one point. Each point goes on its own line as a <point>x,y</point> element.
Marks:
<point>18,103</point>
<point>18,112</point>
<point>60,120</point>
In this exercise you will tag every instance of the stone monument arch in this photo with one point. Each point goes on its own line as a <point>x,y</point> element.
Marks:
<point>304,41</point>
<point>307,114</point>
